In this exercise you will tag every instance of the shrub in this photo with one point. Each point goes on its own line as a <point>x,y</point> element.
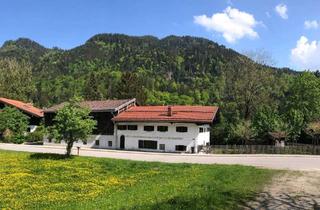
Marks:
<point>14,120</point>
<point>7,135</point>
<point>17,139</point>
<point>36,136</point>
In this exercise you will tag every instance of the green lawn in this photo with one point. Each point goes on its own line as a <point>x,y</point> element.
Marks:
<point>42,181</point>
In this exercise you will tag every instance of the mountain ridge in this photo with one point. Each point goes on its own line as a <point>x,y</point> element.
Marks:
<point>170,70</point>
<point>10,47</point>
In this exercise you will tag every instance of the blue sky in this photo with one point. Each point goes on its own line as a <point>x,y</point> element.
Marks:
<point>242,25</point>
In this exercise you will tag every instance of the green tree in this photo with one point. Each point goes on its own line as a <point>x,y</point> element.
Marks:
<point>91,88</point>
<point>243,131</point>
<point>15,121</point>
<point>295,123</point>
<point>16,79</point>
<point>72,123</point>
<point>250,86</point>
<point>229,118</point>
<point>304,96</point>
<point>131,86</point>
<point>266,120</point>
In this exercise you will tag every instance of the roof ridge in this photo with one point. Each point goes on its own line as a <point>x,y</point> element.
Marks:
<point>194,114</point>
<point>26,107</point>
<point>98,105</point>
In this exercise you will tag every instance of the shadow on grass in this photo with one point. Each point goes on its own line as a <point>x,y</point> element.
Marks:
<point>265,201</point>
<point>203,202</point>
<point>48,156</point>
<point>283,201</point>
<point>175,203</point>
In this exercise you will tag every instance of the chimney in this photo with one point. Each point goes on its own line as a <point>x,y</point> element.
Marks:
<point>169,111</point>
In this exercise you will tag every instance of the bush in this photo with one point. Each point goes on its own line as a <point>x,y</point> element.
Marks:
<point>13,120</point>
<point>17,139</point>
<point>36,136</point>
<point>6,136</point>
<point>9,137</point>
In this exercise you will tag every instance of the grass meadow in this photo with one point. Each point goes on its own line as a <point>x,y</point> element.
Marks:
<point>45,181</point>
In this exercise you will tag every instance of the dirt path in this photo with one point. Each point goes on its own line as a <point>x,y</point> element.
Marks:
<point>290,190</point>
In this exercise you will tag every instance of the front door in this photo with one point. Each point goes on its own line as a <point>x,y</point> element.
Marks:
<point>122,142</point>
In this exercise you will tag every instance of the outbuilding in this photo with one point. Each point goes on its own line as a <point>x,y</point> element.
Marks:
<point>101,111</point>
<point>35,114</point>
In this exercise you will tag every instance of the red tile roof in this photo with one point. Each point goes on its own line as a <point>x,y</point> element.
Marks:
<point>25,107</point>
<point>195,114</point>
<point>98,106</point>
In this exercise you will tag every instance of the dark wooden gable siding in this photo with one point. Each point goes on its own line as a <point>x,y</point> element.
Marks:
<point>104,123</point>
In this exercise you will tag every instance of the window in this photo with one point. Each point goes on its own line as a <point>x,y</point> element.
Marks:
<point>84,142</point>
<point>162,128</point>
<point>162,146</point>
<point>132,127</point>
<point>122,127</point>
<point>181,148</point>
<point>146,144</point>
<point>97,143</point>
<point>148,128</point>
<point>201,130</point>
<point>182,129</point>
<point>109,143</point>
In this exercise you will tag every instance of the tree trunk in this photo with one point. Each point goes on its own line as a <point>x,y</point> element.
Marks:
<point>69,148</point>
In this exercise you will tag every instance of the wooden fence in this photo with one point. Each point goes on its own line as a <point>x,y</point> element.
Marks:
<point>264,149</point>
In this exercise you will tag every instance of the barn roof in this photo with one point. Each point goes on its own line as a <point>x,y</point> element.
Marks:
<point>22,106</point>
<point>97,106</point>
<point>194,114</point>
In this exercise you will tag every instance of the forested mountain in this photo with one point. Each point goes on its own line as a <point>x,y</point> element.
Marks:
<point>172,70</point>
<point>167,66</point>
<point>23,49</point>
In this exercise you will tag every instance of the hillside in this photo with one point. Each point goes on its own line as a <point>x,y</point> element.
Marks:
<point>192,55</point>
<point>168,67</point>
<point>184,70</point>
<point>172,70</point>
<point>23,49</point>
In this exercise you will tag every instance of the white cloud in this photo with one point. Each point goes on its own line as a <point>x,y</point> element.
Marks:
<point>306,55</point>
<point>232,23</point>
<point>282,10</point>
<point>311,24</point>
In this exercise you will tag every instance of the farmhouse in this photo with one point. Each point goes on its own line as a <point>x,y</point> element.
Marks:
<point>35,114</point>
<point>121,124</point>
<point>165,128</point>
<point>102,112</point>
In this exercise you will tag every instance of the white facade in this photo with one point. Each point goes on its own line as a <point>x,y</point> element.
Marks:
<point>32,128</point>
<point>166,141</point>
<point>94,141</point>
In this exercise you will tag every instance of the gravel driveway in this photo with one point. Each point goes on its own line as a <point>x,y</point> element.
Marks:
<point>290,162</point>
<point>290,190</point>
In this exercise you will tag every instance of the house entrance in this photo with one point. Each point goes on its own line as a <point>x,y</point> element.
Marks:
<point>122,142</point>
